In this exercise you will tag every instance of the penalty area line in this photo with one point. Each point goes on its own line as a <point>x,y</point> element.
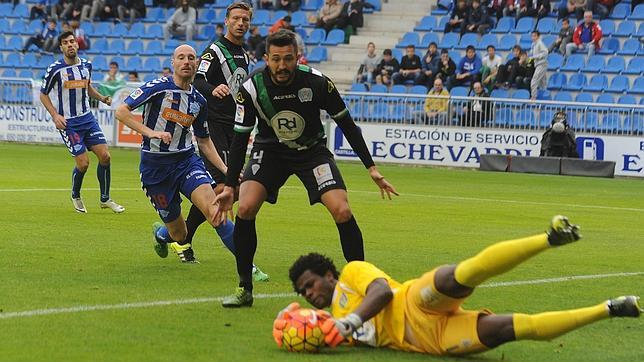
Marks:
<point>160,303</point>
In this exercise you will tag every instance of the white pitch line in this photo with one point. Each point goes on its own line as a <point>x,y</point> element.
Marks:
<point>430,196</point>
<point>90,308</point>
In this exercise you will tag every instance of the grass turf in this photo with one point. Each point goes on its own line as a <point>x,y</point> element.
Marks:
<point>52,257</point>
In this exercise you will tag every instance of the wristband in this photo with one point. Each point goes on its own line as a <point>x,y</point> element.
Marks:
<point>354,320</point>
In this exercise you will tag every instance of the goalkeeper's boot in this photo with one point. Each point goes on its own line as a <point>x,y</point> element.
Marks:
<point>185,252</point>
<point>258,275</point>
<point>79,206</point>
<point>241,298</point>
<point>110,204</point>
<point>626,306</point>
<point>562,232</point>
<point>160,246</point>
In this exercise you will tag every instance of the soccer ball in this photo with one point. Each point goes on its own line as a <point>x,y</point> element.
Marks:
<point>302,332</point>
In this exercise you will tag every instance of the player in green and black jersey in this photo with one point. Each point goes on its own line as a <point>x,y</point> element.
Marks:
<point>286,99</point>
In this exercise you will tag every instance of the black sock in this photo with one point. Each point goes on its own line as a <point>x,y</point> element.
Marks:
<point>351,240</point>
<point>195,218</point>
<point>245,237</point>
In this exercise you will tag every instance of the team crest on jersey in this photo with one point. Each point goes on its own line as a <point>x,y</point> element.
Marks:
<point>203,66</point>
<point>330,86</point>
<point>207,56</point>
<point>343,300</point>
<point>194,108</point>
<point>136,94</point>
<point>305,95</point>
<point>239,98</point>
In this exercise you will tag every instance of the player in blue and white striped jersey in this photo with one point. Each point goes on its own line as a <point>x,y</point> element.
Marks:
<point>173,110</point>
<point>65,94</point>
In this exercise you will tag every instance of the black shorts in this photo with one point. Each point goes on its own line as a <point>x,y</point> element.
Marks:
<point>222,137</point>
<point>315,167</point>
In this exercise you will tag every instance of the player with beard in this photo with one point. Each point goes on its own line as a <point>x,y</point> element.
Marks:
<point>287,98</point>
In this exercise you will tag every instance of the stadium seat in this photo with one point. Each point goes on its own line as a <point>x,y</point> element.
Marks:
<point>299,18</point>
<point>152,64</point>
<point>605,99</point>
<point>630,47</point>
<point>222,4</point>
<point>137,31</point>
<point>548,40</point>
<point>261,17</point>
<point>638,88</point>
<point>26,73</point>
<point>35,26</point>
<point>608,27</point>
<point>206,32</point>
<point>135,47</point>
<point>18,27</point>
<point>594,65</point>
<point>154,15</point>
<point>468,39</point>
<point>3,44</point>
<point>503,116</point>
<point>638,13</point>
<point>220,18</point>
<point>455,55</point>
<point>133,64</point>
<point>621,11</point>
<point>507,42</point>
<point>99,63</point>
<point>102,29</point>
<point>590,121</point>
<point>398,112</point>
<point>488,39</point>
<point>610,123</point>
<point>153,47</point>
<point>442,22</point>
<point>378,88</point>
<point>525,41</point>
<point>154,31</point>
<point>6,9</point>
<point>524,118</point>
<point>640,30</point>
<point>597,83</point>
<point>358,87</point>
<point>610,46</point>
<point>575,82</point>
<point>9,73</point>
<point>449,41</point>
<point>5,25</point>
<point>29,60</point>
<point>459,92</point>
<point>504,26</point>
<point>117,46</point>
<point>499,93</point>
<point>427,23</point>
<point>119,31</point>
<point>396,53</point>
<point>521,94</point>
<point>544,95</point>
<point>206,16</point>
<point>317,54</point>
<point>633,124</point>
<point>15,43</point>
<point>398,89</point>
<point>614,65</point>
<point>635,66</point>
<point>21,11</point>
<point>335,37</point>
<point>410,38</point>
<point>524,26</point>
<point>545,118</point>
<point>311,5</point>
<point>619,84</point>
<point>625,29</point>
<point>547,26</point>
<point>574,63</point>
<point>13,60</point>
<point>418,89</point>
<point>429,38</point>
<point>557,81</point>
<point>149,77</point>
<point>563,97</point>
<point>376,4</point>
<point>315,37</point>
<point>277,15</point>
<point>555,61</point>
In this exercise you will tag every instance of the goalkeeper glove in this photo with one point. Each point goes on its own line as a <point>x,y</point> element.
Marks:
<point>337,330</point>
<point>282,320</point>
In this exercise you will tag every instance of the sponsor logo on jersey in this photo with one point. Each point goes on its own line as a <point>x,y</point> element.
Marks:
<point>284,96</point>
<point>75,84</point>
<point>136,94</point>
<point>175,116</point>
<point>203,66</point>
<point>207,56</point>
<point>305,95</point>
<point>343,300</point>
<point>288,125</point>
<point>169,96</point>
<point>323,176</point>
<point>237,78</point>
<point>239,114</point>
<point>330,86</point>
<point>239,98</point>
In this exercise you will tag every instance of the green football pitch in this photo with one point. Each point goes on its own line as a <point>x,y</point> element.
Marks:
<point>89,287</point>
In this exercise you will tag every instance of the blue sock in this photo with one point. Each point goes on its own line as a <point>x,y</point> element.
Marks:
<point>77,182</point>
<point>162,235</point>
<point>225,232</point>
<point>103,174</point>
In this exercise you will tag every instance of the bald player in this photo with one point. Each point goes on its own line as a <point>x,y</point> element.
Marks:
<point>173,111</point>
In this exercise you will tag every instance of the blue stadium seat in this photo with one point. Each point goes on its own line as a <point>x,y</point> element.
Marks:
<point>442,22</point>
<point>6,9</point>
<point>398,89</point>
<point>638,88</point>
<point>398,112</point>
<point>525,41</point>
<point>524,118</point>
<point>626,99</point>
<point>358,87</point>
<point>378,88</point>
<point>137,31</point>
<point>548,25</point>
<point>574,63</point>
<point>507,42</point>
<point>524,26</point>
<point>610,46</point>
<point>206,32</point>
<point>638,13</point>
<point>222,4</point>
<point>167,63</point>
<point>488,39</point>
<point>206,16</point>
<point>449,41</point>
<point>503,117</point>
<point>499,93</point>
<point>149,77</point>
<point>563,97</point>
<point>21,11</point>
<point>548,40</point>
<point>597,83</point>
<point>99,63</point>
<point>102,29</point>
<point>263,31</point>
<point>46,60</point>
<point>13,60</point>
<point>119,31</point>
<point>18,27</point>
<point>630,47</point>
<point>117,46</point>
<point>396,53</point>
<point>9,73</point>
<point>3,43</point>
<point>468,39</point>
<point>317,54</point>
<point>427,23</point>
<point>378,112</point>
<point>299,18</point>
<point>545,118</point>
<point>633,124</point>
<point>277,15</point>
<point>455,55</point>
<point>505,25</point>
<point>594,65</point>
<point>376,4</point>
<point>544,95</point>
<point>154,47</point>
<point>35,26</point>
<point>614,65</point>
<point>29,60</point>
<point>590,121</point>
<point>418,89</point>
<point>135,47</point>
<point>521,94</point>
<point>608,27</point>
<point>410,38</point>
<point>315,37</point>
<point>619,84</point>
<point>15,43</point>
<point>621,11</point>
<point>575,82</point>
<point>153,31</point>
<point>154,15</point>
<point>261,17</point>
<point>556,81</point>
<point>335,37</point>
<point>429,38</point>
<point>610,123</point>
<point>635,66</point>
<point>459,92</point>
<point>133,64</point>
<point>26,73</point>
<point>640,30</point>
<point>152,64</point>
<point>5,25</point>
<point>310,5</point>
<point>625,29</point>
<point>555,61</point>
<point>220,18</point>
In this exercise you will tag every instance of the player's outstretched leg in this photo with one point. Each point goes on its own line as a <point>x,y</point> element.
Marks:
<point>501,257</point>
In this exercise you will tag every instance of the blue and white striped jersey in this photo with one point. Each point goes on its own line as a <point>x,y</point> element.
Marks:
<point>171,109</point>
<point>66,86</point>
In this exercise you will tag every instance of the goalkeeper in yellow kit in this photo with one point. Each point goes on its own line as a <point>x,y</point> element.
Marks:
<point>425,314</point>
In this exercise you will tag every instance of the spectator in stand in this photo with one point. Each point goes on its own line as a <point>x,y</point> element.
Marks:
<point>367,70</point>
<point>603,8</point>
<point>429,63</point>
<point>113,81</point>
<point>445,70</point>
<point>512,8</point>
<point>133,76</point>
<point>134,9</point>
<point>587,36</point>
<point>255,43</point>
<point>576,7</point>
<point>41,9</point>
<point>77,9</point>
<point>525,71</point>
<point>182,22</point>
<point>564,37</point>
<point>329,15</point>
<point>495,8</point>
<point>507,72</point>
<point>266,4</point>
<point>457,18</point>
<point>469,68</point>
<point>289,5</point>
<point>79,34</point>
<point>45,39</point>
<point>410,67</point>
<point>100,8</point>
<point>490,68</point>
<point>219,32</point>
<point>166,72</point>
<point>535,9</point>
<point>110,10</point>
<point>477,20</point>
<point>436,108</point>
<point>63,9</point>
<point>352,15</point>
<point>478,111</point>
<point>283,23</point>
<point>539,55</point>
<point>387,67</point>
